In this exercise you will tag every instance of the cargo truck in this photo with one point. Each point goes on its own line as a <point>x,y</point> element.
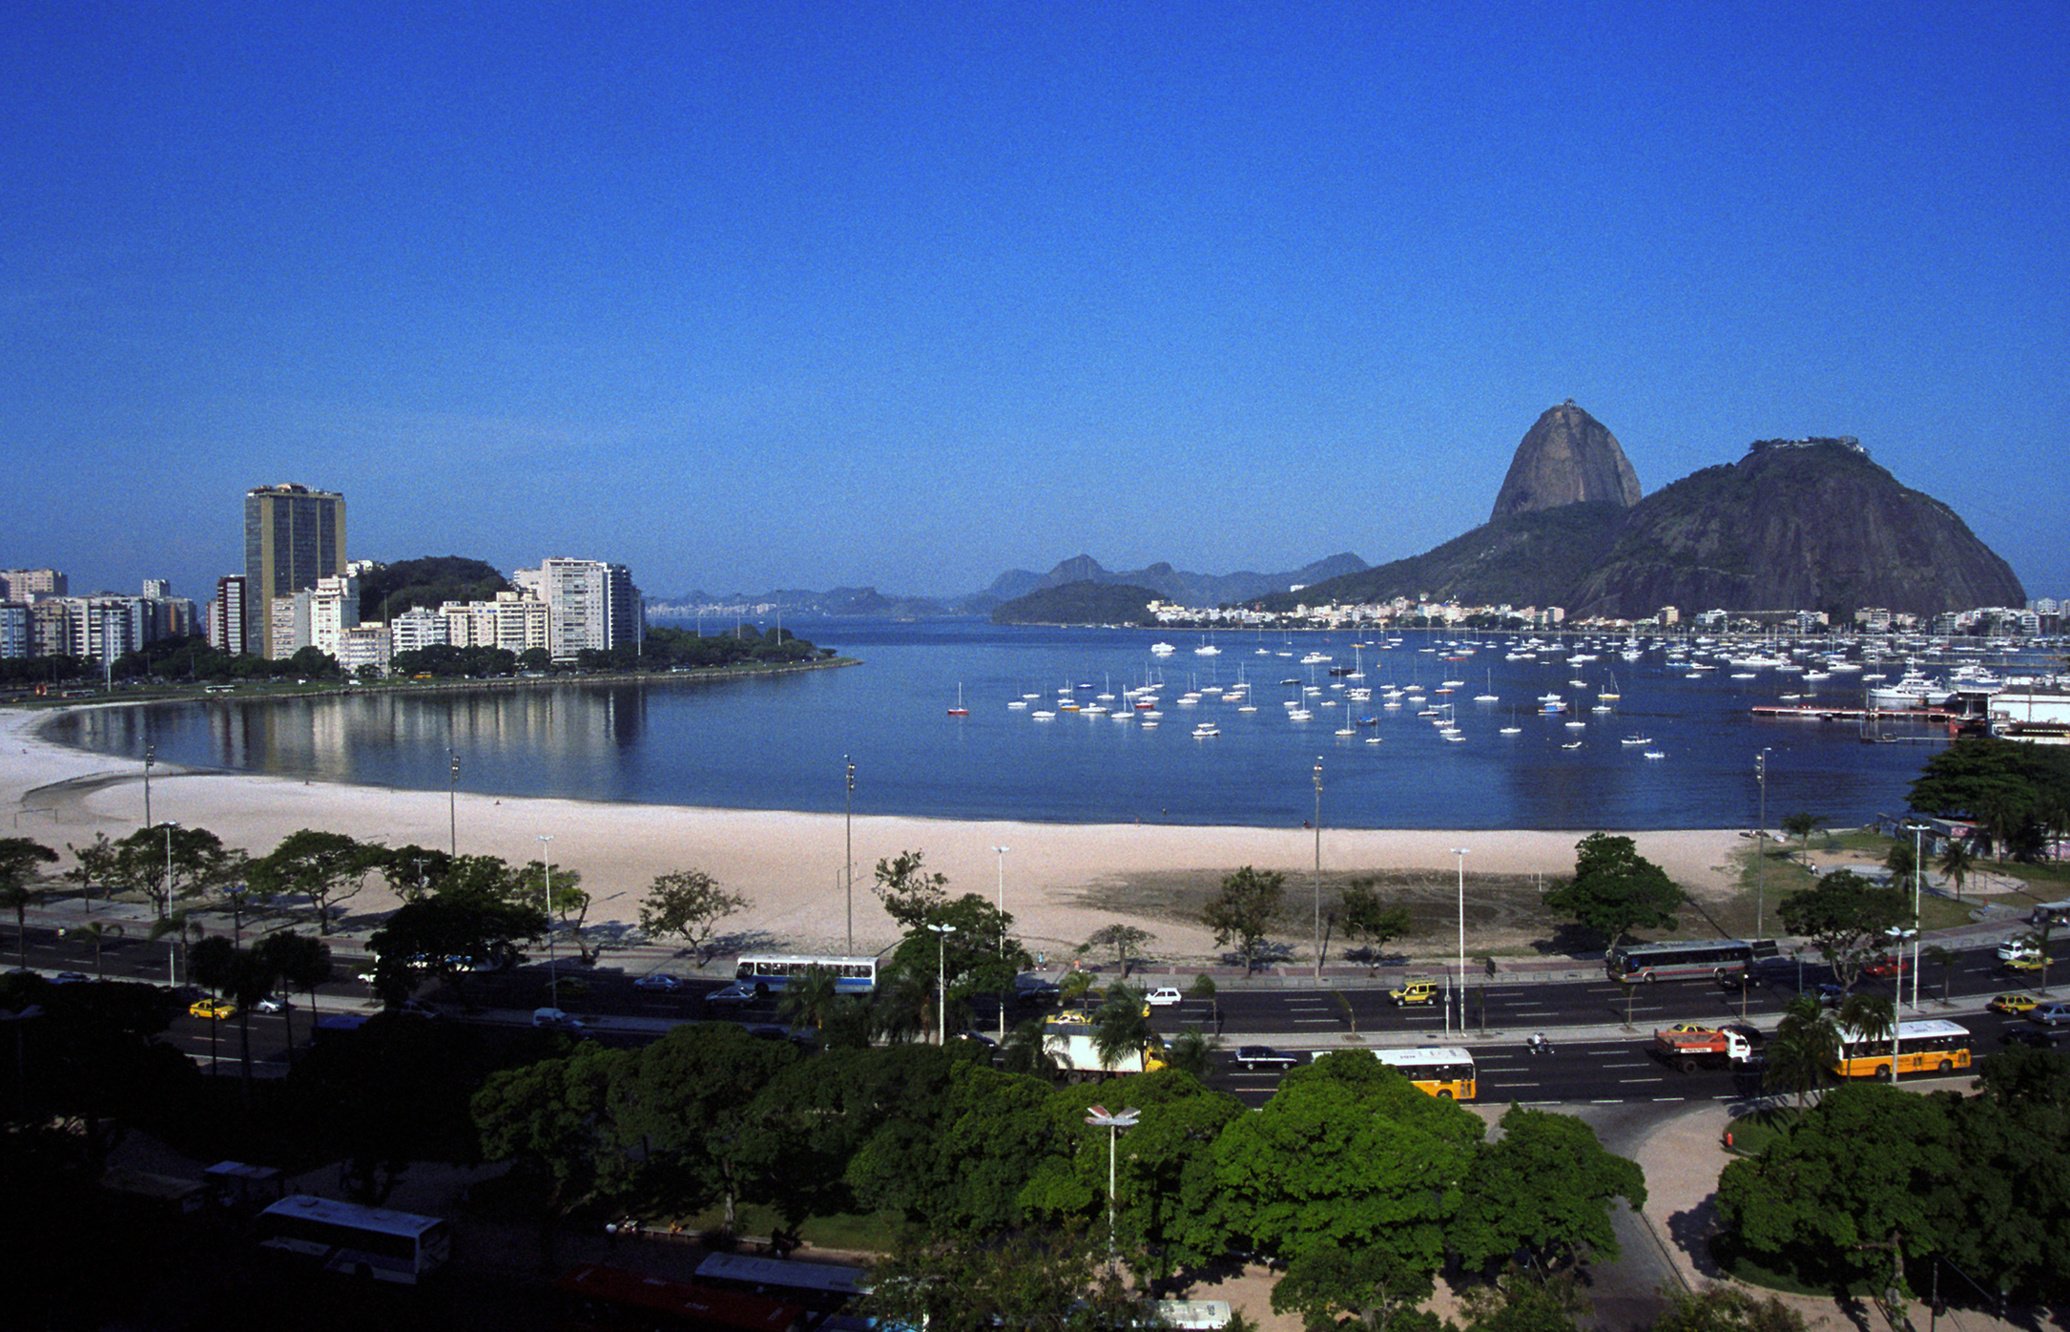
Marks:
<point>1071,1045</point>
<point>1687,1050</point>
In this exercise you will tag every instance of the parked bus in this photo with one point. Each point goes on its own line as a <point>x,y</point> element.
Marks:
<point>1710,959</point>
<point>596,1298</point>
<point>1926,1046</point>
<point>2050,913</point>
<point>359,1241</point>
<point>852,975</point>
<point>1444,1071</point>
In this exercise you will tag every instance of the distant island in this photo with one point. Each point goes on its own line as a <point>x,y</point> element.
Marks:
<point>1083,602</point>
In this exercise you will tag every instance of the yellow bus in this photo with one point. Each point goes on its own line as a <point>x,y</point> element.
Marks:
<point>1927,1046</point>
<point>1443,1071</point>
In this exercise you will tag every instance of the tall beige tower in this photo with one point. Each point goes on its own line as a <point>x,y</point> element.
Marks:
<point>292,536</point>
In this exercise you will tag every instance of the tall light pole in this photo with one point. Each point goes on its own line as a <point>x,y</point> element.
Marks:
<point>1761,846</point>
<point>850,813</point>
<point>1318,867</point>
<point>553,980</point>
<point>1917,869</point>
<point>168,825</point>
<point>1002,850</point>
<point>1099,1117</point>
<point>453,802</point>
<point>150,757</point>
<point>941,982</point>
<point>1460,852</point>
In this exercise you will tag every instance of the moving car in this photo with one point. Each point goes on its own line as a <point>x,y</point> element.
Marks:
<point>216,1010</point>
<point>71,978</point>
<point>659,982</point>
<point>2017,948</point>
<point>557,1018</point>
<point>1885,967</point>
<point>2038,1038</point>
<point>739,994</point>
<point>2025,965</point>
<point>2014,1002</point>
<point>1415,992</point>
<point>2054,1013</point>
<point>1691,1029</point>
<point>1165,996</point>
<point>1264,1056</point>
<point>270,1004</point>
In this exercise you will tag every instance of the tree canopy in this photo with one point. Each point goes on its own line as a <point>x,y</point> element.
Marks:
<point>1615,890</point>
<point>1845,916</point>
<point>1246,910</point>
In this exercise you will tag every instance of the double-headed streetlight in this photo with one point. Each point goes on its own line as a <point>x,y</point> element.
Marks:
<point>1460,852</point>
<point>1917,869</point>
<point>169,825</point>
<point>453,802</point>
<point>1761,845</point>
<point>1002,850</point>
<point>1318,867</point>
<point>1100,1117</point>
<point>553,980</point>
<point>941,982</point>
<point>150,757</point>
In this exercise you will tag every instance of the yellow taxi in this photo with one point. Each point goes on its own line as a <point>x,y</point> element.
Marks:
<point>2014,1003</point>
<point>2030,963</point>
<point>1415,992</point>
<point>1692,1029</point>
<point>213,1009</point>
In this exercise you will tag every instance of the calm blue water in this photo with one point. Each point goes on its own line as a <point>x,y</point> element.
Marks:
<point>778,743</point>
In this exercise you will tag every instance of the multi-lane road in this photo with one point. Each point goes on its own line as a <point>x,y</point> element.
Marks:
<point>1600,1030</point>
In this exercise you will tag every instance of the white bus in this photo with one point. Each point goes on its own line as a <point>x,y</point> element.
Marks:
<point>358,1241</point>
<point>767,973</point>
<point>2050,913</point>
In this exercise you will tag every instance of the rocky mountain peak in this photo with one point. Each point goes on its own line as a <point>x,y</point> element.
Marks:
<point>1566,457</point>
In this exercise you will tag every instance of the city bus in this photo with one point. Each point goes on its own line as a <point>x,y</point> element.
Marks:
<point>1715,959</point>
<point>373,1242</point>
<point>1926,1046</point>
<point>2050,913</point>
<point>770,972</point>
<point>1444,1071</point>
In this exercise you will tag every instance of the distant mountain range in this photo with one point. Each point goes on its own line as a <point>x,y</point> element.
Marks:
<point>1161,580</point>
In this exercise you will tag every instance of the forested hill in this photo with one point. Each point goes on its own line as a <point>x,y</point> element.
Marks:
<point>1079,603</point>
<point>387,590</point>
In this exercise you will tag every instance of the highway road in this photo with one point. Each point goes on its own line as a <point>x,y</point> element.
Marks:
<point>1596,1063</point>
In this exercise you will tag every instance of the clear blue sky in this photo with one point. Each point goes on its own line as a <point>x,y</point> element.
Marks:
<point>752,295</point>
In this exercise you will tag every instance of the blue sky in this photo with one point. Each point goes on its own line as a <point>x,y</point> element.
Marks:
<point>754,295</point>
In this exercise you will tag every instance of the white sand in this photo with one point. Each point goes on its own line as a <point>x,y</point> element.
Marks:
<point>789,865</point>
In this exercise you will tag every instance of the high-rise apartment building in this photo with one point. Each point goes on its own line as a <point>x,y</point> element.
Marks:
<point>589,604</point>
<point>333,608</point>
<point>292,536</point>
<point>415,629</point>
<point>22,584</point>
<point>229,628</point>
<point>14,629</point>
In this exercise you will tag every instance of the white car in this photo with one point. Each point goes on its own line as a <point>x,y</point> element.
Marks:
<point>272,1003</point>
<point>554,1017</point>
<point>1165,996</point>
<point>2018,949</point>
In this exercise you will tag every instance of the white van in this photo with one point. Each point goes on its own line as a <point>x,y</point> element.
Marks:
<point>554,1017</point>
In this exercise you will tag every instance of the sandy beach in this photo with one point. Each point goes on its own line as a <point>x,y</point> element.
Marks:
<point>788,865</point>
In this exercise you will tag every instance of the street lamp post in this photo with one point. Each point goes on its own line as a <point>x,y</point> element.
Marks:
<point>850,863</point>
<point>1318,867</point>
<point>1917,829</point>
<point>1002,850</point>
<point>1460,852</point>
<point>453,803</point>
<point>150,757</point>
<point>941,982</point>
<point>168,825</point>
<point>553,980</point>
<point>1100,1117</point>
<point>1761,845</point>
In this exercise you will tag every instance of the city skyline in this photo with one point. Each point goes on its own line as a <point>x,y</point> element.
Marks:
<point>789,298</point>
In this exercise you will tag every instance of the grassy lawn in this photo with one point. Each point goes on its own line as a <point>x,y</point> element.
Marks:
<point>1752,1134</point>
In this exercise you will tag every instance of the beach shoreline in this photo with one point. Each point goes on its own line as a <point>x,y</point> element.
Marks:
<point>788,864</point>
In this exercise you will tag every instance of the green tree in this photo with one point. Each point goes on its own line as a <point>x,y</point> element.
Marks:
<point>1946,959</point>
<point>1371,923</point>
<point>1045,1281</point>
<point>1517,1302</point>
<point>1723,1308</point>
<point>95,865</point>
<point>1027,1050</point>
<point>1348,1155</point>
<point>1846,917</point>
<point>1801,825</point>
<point>244,976</point>
<point>1192,1051</point>
<point>688,905</point>
<point>1851,1185</point>
<point>1802,1052</point>
<point>97,933</point>
<point>1375,1286</point>
<point>1547,1188</point>
<point>302,963</point>
<point>969,957</point>
<point>1958,857</point>
<point>1119,1028</point>
<point>413,871</point>
<point>19,857</point>
<point>568,901</point>
<point>910,893</point>
<point>1123,941</point>
<point>551,1120</point>
<point>168,862</point>
<point>1246,910</point>
<point>1871,1017</point>
<point>1615,890</point>
<point>182,927</point>
<point>447,935</point>
<point>327,868</point>
<point>810,999</point>
<point>1900,861</point>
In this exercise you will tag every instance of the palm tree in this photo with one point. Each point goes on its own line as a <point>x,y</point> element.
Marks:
<point>19,857</point>
<point>1945,959</point>
<point>1900,861</point>
<point>182,925</point>
<point>1119,1027</point>
<point>899,1012</point>
<point>1192,1050</point>
<point>1872,1018</point>
<point>301,963</point>
<point>1956,859</point>
<point>1027,1050</point>
<point>809,999</point>
<point>98,931</point>
<point>1801,1057</point>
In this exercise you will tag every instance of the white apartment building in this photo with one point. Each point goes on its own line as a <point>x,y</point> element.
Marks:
<point>333,608</point>
<point>363,645</point>
<point>415,629</point>
<point>514,622</point>
<point>589,605</point>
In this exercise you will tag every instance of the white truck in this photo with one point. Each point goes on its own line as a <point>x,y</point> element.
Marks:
<point>1686,1050</point>
<point>1071,1045</point>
